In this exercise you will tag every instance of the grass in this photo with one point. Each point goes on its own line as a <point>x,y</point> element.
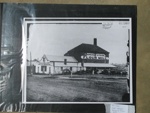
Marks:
<point>91,89</point>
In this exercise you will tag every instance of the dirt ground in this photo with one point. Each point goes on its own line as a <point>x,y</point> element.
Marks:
<point>76,88</point>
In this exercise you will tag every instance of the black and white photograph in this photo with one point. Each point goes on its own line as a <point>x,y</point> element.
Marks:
<point>77,60</point>
<point>68,58</point>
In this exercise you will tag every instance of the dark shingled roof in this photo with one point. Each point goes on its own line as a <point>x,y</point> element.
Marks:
<point>87,48</point>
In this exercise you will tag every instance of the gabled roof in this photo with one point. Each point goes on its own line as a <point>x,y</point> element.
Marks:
<point>60,58</point>
<point>87,48</point>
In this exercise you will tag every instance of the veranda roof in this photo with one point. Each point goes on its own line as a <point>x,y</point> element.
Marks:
<point>98,65</point>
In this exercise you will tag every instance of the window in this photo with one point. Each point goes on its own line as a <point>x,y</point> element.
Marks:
<point>70,68</point>
<point>43,68</point>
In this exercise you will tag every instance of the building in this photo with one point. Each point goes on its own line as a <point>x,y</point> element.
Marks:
<point>91,56</point>
<point>87,57</point>
<point>49,64</point>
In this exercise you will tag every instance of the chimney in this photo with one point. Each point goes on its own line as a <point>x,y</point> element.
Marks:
<point>95,41</point>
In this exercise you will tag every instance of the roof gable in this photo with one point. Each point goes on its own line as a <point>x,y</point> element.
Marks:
<point>60,58</point>
<point>88,48</point>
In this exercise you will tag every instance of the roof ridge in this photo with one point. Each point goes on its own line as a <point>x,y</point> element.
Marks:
<point>87,48</point>
<point>57,55</point>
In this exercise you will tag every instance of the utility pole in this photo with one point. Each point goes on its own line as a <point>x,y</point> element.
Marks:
<point>30,64</point>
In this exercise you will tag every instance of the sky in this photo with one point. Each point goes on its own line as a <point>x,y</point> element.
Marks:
<point>57,39</point>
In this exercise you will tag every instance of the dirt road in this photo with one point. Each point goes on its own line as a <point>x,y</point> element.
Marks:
<point>75,90</point>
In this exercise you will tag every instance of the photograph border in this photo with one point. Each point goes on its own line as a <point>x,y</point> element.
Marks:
<point>28,20</point>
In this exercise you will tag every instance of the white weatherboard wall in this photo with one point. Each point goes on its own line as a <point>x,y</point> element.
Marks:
<point>56,67</point>
<point>38,69</point>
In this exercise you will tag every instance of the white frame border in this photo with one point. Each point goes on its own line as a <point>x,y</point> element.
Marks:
<point>24,70</point>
